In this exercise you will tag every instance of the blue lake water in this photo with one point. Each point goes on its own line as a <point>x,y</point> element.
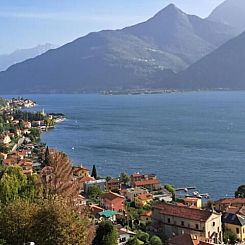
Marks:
<point>187,139</point>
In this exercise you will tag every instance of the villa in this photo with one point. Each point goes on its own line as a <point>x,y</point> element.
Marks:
<point>112,201</point>
<point>175,220</point>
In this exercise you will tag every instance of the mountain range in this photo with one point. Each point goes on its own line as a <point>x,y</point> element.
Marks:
<point>230,12</point>
<point>20,55</point>
<point>170,50</point>
<point>222,69</point>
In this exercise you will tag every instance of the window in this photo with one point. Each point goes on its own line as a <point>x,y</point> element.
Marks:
<point>237,230</point>
<point>123,239</point>
<point>213,223</point>
<point>168,220</point>
<point>182,223</point>
<point>197,226</point>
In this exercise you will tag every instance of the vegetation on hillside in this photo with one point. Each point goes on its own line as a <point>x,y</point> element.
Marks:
<point>41,208</point>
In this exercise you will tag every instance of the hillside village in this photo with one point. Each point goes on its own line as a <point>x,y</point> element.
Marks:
<point>139,205</point>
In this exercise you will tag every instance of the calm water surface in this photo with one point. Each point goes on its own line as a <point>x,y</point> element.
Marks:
<point>188,139</point>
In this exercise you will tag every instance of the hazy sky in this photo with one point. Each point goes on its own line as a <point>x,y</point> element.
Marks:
<point>26,23</point>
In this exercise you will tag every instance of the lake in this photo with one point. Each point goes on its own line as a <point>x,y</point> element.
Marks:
<point>187,139</point>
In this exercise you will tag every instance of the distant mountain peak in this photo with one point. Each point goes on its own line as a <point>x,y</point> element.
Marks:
<point>137,56</point>
<point>171,9</point>
<point>20,55</point>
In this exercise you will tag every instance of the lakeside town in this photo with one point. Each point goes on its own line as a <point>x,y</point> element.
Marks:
<point>141,209</point>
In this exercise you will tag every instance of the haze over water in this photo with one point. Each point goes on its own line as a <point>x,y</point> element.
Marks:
<point>187,139</point>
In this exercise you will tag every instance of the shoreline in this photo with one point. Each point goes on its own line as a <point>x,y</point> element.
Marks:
<point>123,92</point>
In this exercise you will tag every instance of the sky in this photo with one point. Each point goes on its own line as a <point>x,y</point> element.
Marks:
<point>27,23</point>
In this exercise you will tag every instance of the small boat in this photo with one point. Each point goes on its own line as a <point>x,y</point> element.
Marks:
<point>195,193</point>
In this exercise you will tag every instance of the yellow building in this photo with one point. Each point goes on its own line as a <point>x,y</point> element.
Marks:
<point>80,171</point>
<point>173,220</point>
<point>234,220</point>
<point>143,199</point>
<point>145,218</point>
<point>193,202</point>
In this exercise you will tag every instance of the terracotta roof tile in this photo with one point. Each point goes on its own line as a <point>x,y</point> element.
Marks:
<point>184,239</point>
<point>136,175</point>
<point>231,201</point>
<point>147,182</point>
<point>144,196</point>
<point>85,179</point>
<point>190,199</point>
<point>147,213</point>
<point>111,196</point>
<point>183,212</point>
<point>95,209</point>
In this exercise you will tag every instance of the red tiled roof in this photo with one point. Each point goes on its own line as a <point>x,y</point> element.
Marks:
<point>136,175</point>
<point>9,161</point>
<point>236,210</point>
<point>187,239</point>
<point>147,182</point>
<point>111,196</point>
<point>147,213</point>
<point>190,199</point>
<point>183,212</point>
<point>77,169</point>
<point>81,197</point>
<point>95,209</point>
<point>231,201</point>
<point>184,239</point>
<point>24,163</point>
<point>144,196</point>
<point>27,171</point>
<point>85,179</point>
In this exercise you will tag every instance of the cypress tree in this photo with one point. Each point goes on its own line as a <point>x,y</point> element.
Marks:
<point>46,158</point>
<point>94,172</point>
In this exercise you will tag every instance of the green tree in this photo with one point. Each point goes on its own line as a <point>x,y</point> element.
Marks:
<point>47,222</point>
<point>49,122</point>
<point>106,234</point>
<point>94,192</point>
<point>124,178</point>
<point>94,172</point>
<point>3,148</point>
<point>16,221</point>
<point>2,242</point>
<point>134,241</point>
<point>14,184</point>
<point>34,134</point>
<point>230,237</point>
<point>240,192</point>
<point>171,189</point>
<point>155,240</point>
<point>143,236</point>
<point>56,222</point>
<point>46,160</point>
